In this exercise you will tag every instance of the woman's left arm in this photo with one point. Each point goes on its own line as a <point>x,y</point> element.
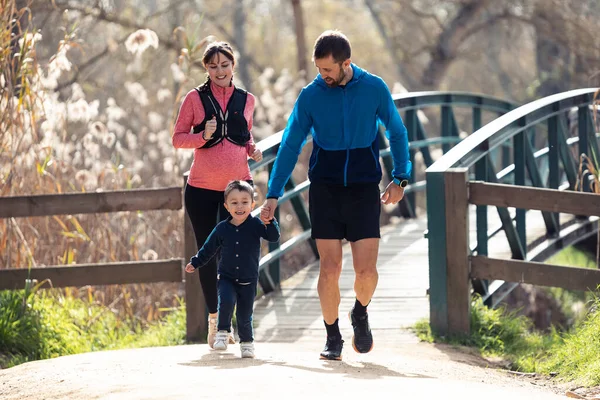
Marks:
<point>249,115</point>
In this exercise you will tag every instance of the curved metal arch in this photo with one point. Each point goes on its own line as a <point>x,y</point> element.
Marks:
<point>404,102</point>
<point>418,100</point>
<point>472,148</point>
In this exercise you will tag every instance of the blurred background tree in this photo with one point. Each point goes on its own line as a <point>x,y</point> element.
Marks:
<point>89,91</point>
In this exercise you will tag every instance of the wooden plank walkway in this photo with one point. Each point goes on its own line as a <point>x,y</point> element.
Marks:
<point>294,314</point>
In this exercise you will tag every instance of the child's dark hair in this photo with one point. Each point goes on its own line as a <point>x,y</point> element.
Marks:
<point>211,51</point>
<point>242,186</point>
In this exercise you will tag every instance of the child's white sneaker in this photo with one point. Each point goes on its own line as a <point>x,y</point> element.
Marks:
<point>212,332</point>
<point>221,340</point>
<point>231,337</point>
<point>247,349</point>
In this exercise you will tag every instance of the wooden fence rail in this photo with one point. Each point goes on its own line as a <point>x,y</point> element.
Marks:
<point>535,273</point>
<point>112,273</point>
<point>94,274</point>
<point>91,203</point>
<point>462,266</point>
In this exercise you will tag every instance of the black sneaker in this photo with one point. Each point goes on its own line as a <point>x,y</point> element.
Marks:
<point>333,349</point>
<point>362,341</point>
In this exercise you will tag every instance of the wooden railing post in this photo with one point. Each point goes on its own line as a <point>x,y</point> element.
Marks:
<point>457,251</point>
<point>448,233</point>
<point>195,306</point>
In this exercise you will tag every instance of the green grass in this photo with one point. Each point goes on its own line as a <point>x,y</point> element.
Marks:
<point>496,333</point>
<point>576,358</point>
<point>42,325</point>
<point>573,303</point>
<point>572,257</point>
<point>571,356</point>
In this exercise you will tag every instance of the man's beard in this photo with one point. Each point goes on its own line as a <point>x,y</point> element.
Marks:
<point>339,80</point>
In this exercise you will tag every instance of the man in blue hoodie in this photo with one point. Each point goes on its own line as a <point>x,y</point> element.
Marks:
<point>341,108</point>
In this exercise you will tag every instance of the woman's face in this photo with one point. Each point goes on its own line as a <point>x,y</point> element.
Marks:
<point>220,69</point>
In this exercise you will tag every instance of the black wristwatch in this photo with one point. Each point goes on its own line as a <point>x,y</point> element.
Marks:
<point>400,182</point>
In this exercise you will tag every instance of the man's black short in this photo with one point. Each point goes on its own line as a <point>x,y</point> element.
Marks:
<point>344,212</point>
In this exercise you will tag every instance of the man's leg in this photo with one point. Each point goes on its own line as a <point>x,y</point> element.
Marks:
<point>330,254</point>
<point>328,232</point>
<point>364,258</point>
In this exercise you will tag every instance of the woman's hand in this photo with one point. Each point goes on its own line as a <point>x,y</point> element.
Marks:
<point>256,155</point>
<point>210,128</point>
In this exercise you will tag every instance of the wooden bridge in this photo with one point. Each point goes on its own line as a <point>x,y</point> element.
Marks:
<point>432,260</point>
<point>293,314</point>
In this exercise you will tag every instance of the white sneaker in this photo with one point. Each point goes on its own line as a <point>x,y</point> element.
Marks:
<point>231,337</point>
<point>221,340</point>
<point>247,349</point>
<point>212,332</point>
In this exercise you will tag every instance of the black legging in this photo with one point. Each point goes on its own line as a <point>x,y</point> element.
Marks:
<point>205,209</point>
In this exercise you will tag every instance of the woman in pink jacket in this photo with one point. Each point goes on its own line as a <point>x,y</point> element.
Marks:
<point>215,119</point>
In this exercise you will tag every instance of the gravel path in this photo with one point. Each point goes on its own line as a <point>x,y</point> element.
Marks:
<point>280,371</point>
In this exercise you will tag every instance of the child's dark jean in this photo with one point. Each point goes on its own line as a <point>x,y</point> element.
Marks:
<point>231,293</point>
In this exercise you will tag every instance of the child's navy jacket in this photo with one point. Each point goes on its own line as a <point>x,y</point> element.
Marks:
<point>240,248</point>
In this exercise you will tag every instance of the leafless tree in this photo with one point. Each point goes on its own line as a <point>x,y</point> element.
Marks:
<point>300,36</point>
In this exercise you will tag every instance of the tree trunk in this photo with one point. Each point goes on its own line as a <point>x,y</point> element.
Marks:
<point>449,41</point>
<point>493,52</point>
<point>406,79</point>
<point>239,33</point>
<point>552,57</point>
<point>300,38</point>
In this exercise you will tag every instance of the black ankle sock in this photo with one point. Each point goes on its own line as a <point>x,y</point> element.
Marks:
<point>333,330</point>
<point>359,310</point>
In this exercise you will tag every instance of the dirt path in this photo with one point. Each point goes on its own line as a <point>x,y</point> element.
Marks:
<point>280,371</point>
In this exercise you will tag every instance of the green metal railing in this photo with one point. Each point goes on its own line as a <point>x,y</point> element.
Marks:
<point>420,140</point>
<point>520,128</point>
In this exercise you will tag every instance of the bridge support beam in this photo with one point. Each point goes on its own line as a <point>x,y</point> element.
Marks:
<point>448,233</point>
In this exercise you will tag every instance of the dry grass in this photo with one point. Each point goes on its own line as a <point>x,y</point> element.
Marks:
<point>52,145</point>
<point>30,166</point>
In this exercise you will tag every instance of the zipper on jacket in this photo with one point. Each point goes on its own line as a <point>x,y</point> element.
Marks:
<point>344,136</point>
<point>346,167</point>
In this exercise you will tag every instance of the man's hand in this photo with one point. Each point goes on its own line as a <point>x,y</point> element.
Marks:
<point>267,211</point>
<point>393,194</point>
<point>189,268</point>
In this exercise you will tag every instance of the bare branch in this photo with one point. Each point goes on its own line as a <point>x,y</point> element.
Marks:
<point>101,15</point>
<point>449,41</point>
<point>420,50</point>
<point>423,14</point>
<point>494,19</point>
<point>409,81</point>
<point>86,64</point>
<point>228,37</point>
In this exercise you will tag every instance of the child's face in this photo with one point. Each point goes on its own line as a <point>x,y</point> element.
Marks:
<point>239,204</point>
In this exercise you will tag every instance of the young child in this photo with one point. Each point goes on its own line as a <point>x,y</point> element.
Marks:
<point>238,237</point>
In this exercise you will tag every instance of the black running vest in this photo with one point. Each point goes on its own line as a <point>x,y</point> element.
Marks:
<point>231,124</point>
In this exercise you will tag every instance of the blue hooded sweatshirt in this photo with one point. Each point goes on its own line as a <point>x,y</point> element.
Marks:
<point>343,122</point>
